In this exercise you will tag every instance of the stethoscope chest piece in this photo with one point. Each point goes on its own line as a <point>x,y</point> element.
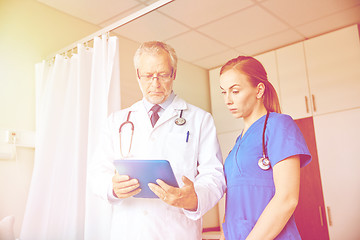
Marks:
<point>264,163</point>
<point>180,120</point>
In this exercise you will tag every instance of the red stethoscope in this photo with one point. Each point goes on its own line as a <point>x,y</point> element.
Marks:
<point>132,133</point>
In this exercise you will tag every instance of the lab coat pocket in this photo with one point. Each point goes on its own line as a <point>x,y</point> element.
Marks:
<point>178,221</point>
<point>179,149</point>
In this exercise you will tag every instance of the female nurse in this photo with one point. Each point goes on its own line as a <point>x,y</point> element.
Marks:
<point>260,202</point>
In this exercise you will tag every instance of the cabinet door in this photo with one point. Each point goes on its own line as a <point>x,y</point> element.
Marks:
<point>268,60</point>
<point>294,88</point>
<point>333,63</point>
<point>310,214</point>
<point>337,139</point>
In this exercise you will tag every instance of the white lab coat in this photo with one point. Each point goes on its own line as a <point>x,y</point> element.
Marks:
<point>199,159</point>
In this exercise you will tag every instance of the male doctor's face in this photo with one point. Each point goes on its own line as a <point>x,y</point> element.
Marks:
<point>155,76</point>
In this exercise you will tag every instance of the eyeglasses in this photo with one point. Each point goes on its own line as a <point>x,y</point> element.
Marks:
<point>162,77</point>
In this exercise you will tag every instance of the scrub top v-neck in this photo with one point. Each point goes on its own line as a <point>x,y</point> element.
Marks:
<point>249,188</point>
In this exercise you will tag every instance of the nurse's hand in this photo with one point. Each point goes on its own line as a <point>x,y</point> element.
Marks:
<point>124,187</point>
<point>184,197</point>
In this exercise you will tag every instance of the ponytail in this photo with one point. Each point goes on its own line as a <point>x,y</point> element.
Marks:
<point>271,100</point>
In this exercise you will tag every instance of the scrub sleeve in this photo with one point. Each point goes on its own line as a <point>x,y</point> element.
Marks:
<point>284,139</point>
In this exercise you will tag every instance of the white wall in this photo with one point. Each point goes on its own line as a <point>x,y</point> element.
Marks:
<point>192,84</point>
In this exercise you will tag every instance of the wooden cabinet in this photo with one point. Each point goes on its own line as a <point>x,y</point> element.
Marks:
<point>337,139</point>
<point>333,66</point>
<point>310,214</point>
<point>294,87</point>
<point>268,60</point>
<point>320,75</point>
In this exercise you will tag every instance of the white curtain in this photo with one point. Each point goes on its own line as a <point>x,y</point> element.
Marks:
<point>73,99</point>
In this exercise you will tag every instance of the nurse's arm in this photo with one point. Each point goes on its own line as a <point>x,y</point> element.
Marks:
<point>286,176</point>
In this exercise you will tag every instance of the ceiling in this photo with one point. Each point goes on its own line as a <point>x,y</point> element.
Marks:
<point>207,33</point>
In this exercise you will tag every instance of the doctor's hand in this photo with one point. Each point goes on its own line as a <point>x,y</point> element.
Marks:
<point>184,197</point>
<point>124,187</point>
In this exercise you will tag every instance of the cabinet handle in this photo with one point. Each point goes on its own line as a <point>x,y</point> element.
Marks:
<point>329,216</point>
<point>306,104</point>
<point>321,217</point>
<point>314,104</point>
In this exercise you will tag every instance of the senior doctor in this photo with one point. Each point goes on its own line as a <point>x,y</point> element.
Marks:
<point>183,134</point>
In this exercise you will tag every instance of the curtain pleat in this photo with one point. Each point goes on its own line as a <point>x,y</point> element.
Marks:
<point>98,212</point>
<point>72,102</point>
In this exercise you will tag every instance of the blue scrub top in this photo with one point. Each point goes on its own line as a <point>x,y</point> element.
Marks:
<point>249,188</point>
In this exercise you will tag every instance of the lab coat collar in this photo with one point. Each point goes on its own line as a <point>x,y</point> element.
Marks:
<point>177,104</point>
<point>163,105</point>
<point>170,112</point>
<point>138,106</point>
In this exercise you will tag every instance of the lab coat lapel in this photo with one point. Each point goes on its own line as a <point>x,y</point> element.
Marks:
<point>143,116</point>
<point>172,111</point>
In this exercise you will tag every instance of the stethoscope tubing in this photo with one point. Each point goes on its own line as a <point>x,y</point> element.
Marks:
<point>178,121</point>
<point>263,135</point>
<point>132,133</point>
<point>264,162</point>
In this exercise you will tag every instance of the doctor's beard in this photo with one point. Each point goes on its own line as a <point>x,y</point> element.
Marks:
<point>156,99</point>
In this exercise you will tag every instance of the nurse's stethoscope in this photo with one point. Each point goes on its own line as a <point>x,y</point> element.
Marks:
<point>178,121</point>
<point>264,162</point>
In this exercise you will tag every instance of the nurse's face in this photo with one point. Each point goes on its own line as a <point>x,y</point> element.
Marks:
<point>155,76</point>
<point>240,96</point>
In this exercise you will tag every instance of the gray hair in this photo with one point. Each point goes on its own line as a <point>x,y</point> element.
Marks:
<point>153,47</point>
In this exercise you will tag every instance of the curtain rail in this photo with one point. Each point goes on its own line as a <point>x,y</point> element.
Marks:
<point>113,26</point>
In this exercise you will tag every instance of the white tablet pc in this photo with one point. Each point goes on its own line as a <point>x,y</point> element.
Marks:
<point>147,171</point>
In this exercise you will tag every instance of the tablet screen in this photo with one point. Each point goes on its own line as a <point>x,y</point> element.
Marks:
<point>147,171</point>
